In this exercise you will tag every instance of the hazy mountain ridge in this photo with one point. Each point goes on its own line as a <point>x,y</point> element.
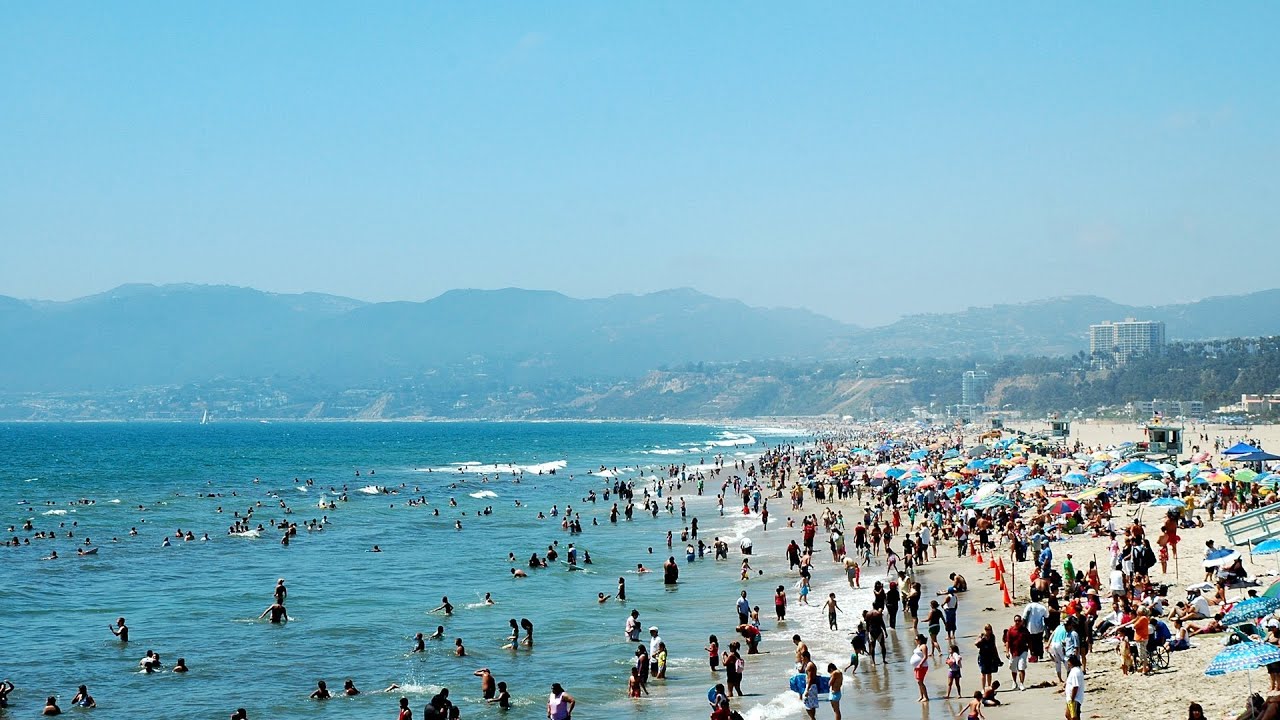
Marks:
<point>140,335</point>
<point>150,336</point>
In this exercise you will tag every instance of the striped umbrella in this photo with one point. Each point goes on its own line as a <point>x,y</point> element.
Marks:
<point>1251,609</point>
<point>1243,656</point>
<point>1064,507</point>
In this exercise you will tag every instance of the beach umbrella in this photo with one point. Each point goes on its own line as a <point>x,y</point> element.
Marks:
<point>1199,457</point>
<point>1064,507</point>
<point>919,454</point>
<point>1034,484</point>
<point>1220,557</point>
<point>1075,478</point>
<point>1273,591</point>
<point>1113,480</point>
<point>1092,492</point>
<point>928,482</point>
<point>1151,485</point>
<point>994,501</point>
<point>953,476</point>
<point>1137,467</point>
<point>1243,656</point>
<point>894,473</point>
<point>1245,475</point>
<point>951,454</point>
<point>1165,467</point>
<point>1168,502</point>
<point>1251,609</point>
<point>1267,478</point>
<point>1097,468</point>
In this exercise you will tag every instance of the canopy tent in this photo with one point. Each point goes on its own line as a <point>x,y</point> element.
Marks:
<point>1255,456</point>
<point>1241,449</point>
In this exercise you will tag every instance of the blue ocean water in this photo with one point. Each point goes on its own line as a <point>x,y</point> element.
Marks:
<point>353,612</point>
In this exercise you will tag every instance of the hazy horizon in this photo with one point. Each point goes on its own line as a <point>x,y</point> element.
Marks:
<point>861,162</point>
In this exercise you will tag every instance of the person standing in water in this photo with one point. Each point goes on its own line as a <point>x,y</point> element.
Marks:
<point>560,704</point>
<point>120,630</point>
<point>277,612</point>
<point>832,608</point>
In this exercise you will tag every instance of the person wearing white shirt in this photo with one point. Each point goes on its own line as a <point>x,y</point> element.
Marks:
<point>1035,614</point>
<point>1074,689</point>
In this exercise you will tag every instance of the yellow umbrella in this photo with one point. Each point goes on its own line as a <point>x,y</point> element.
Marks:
<point>953,476</point>
<point>839,467</point>
<point>1090,493</point>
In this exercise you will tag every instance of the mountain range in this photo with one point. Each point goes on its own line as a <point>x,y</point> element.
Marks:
<point>146,335</point>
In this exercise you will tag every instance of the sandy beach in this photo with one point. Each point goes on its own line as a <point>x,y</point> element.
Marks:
<point>889,690</point>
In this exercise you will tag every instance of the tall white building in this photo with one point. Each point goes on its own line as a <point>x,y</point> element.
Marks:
<point>974,385</point>
<point>1117,343</point>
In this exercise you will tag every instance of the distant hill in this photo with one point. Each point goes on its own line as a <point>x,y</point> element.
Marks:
<point>140,335</point>
<point>146,335</point>
<point>1060,326</point>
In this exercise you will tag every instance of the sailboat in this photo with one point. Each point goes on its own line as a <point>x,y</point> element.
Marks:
<point>205,420</point>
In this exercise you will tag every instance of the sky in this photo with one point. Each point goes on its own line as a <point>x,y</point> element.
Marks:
<point>865,161</point>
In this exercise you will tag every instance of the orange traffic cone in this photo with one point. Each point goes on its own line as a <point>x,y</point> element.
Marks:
<point>999,575</point>
<point>979,557</point>
<point>1002,570</point>
<point>1004,591</point>
<point>992,564</point>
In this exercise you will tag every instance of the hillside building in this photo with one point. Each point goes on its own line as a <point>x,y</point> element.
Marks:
<point>974,385</point>
<point>1119,342</point>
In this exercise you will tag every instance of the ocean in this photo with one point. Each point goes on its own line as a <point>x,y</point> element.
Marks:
<point>354,612</point>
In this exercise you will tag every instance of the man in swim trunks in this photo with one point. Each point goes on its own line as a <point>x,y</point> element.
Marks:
<point>837,682</point>
<point>810,686</point>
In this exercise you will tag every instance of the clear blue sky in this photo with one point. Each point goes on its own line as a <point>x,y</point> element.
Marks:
<point>861,161</point>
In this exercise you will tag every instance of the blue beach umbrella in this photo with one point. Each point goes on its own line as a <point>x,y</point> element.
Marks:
<point>1151,485</point>
<point>952,453</point>
<point>1268,547</point>
<point>894,473</point>
<point>1168,502</point>
<point>1243,656</point>
<point>1251,609</point>
<point>919,454</point>
<point>1097,468</point>
<point>1137,467</point>
<point>1034,484</point>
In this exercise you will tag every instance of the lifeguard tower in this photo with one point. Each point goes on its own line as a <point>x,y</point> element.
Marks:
<point>997,424</point>
<point>1059,428</point>
<point>1165,439</point>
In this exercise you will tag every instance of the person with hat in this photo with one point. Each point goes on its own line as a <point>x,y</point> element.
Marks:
<point>654,641</point>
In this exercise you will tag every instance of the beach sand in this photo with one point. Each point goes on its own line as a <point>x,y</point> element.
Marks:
<point>890,692</point>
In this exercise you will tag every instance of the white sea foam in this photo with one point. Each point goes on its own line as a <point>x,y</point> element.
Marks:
<point>498,468</point>
<point>54,512</point>
<point>670,451</point>
<point>247,534</point>
<point>484,494</point>
<point>787,704</point>
<point>370,490</point>
<point>301,488</point>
